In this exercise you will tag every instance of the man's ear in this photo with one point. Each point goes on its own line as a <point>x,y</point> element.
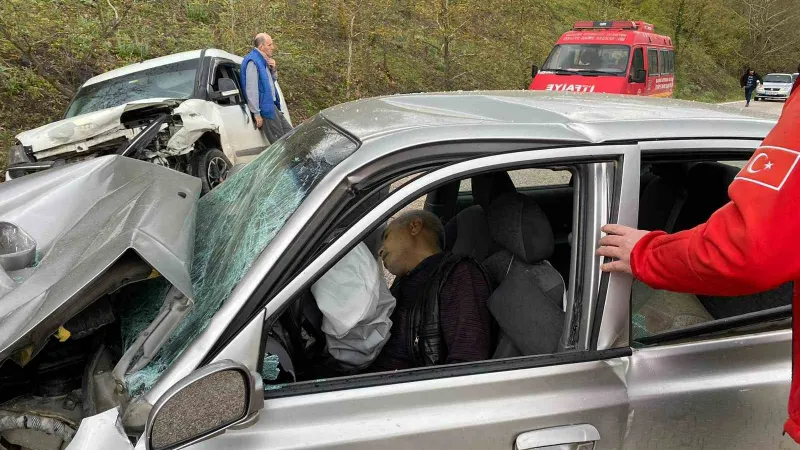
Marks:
<point>415,226</point>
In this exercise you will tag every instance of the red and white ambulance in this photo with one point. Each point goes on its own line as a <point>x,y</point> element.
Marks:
<point>618,57</point>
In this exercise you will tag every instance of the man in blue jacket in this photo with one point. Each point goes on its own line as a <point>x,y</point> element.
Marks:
<point>258,78</point>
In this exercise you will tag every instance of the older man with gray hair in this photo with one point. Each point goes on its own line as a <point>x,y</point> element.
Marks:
<point>442,316</point>
<point>258,75</point>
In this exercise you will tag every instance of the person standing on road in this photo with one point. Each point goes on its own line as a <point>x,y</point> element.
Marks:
<point>258,75</point>
<point>796,81</point>
<point>749,81</point>
<point>748,246</point>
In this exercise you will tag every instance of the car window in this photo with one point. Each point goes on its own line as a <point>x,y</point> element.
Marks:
<point>227,71</point>
<point>175,81</point>
<point>652,62</point>
<point>662,68</point>
<point>638,60</point>
<point>234,224</point>
<point>676,197</point>
<point>667,62</point>
<point>318,335</point>
<point>530,178</point>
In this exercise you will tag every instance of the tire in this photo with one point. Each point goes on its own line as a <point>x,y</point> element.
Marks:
<point>211,166</point>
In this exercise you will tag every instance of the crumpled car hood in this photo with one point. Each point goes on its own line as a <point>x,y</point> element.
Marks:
<point>85,126</point>
<point>83,218</point>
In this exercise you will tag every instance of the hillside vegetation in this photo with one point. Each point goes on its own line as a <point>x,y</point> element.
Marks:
<point>334,51</point>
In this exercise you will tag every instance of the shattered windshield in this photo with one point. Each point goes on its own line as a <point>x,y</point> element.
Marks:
<point>167,81</point>
<point>235,223</point>
<point>590,59</point>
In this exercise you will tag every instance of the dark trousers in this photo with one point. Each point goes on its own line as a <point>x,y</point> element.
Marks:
<point>748,93</point>
<point>275,128</point>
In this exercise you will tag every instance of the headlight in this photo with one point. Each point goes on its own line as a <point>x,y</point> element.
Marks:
<point>785,89</point>
<point>760,88</point>
<point>18,155</point>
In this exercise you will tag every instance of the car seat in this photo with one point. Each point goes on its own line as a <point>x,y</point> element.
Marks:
<point>528,292</point>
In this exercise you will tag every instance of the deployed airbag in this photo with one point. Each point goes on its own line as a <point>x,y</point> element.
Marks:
<point>356,304</point>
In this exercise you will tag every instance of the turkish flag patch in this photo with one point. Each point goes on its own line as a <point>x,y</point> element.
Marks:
<point>769,167</point>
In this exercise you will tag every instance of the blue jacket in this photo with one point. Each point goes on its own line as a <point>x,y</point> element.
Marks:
<point>268,101</point>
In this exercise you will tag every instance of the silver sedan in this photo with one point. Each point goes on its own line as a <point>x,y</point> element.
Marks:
<point>222,360</point>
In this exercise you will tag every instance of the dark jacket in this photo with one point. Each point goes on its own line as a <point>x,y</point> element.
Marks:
<point>756,76</point>
<point>426,339</point>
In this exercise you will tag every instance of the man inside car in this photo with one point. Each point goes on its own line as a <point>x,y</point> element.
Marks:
<point>441,315</point>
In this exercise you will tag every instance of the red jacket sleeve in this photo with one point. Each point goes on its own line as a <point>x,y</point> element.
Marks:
<point>750,245</point>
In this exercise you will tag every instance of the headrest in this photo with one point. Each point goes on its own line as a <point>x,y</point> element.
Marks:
<point>711,175</point>
<point>670,171</point>
<point>519,225</point>
<point>487,187</point>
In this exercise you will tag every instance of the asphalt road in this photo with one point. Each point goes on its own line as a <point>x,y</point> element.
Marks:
<point>769,107</point>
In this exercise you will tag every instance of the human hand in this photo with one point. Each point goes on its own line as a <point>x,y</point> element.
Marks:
<point>618,243</point>
<point>259,121</point>
<point>271,64</point>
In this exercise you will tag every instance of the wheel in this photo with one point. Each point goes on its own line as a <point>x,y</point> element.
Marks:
<point>211,166</point>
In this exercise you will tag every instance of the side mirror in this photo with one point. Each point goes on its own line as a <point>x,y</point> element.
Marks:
<point>534,71</point>
<point>227,89</point>
<point>638,76</point>
<point>221,395</point>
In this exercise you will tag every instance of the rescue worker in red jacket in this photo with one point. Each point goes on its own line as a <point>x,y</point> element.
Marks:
<point>750,245</point>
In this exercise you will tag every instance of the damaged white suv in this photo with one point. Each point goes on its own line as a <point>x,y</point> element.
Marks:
<point>185,111</point>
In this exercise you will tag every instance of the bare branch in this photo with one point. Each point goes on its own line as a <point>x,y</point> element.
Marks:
<point>25,49</point>
<point>116,14</point>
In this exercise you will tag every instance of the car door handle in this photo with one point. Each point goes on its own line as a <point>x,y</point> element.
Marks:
<point>569,437</point>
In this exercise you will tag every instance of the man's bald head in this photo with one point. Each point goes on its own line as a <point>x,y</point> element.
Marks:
<point>263,42</point>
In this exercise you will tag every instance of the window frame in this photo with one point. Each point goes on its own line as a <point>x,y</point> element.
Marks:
<point>224,64</point>
<point>719,150</point>
<point>585,270</point>
<point>662,62</point>
<point>633,67</point>
<point>652,50</point>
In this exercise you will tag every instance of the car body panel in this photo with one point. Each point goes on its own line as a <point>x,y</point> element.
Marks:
<point>83,218</point>
<point>469,412</point>
<point>589,118</point>
<point>722,393</point>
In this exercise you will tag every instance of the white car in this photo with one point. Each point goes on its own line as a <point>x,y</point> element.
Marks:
<point>775,85</point>
<point>185,111</point>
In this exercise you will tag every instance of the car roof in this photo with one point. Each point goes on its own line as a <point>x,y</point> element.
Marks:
<point>160,61</point>
<point>779,73</point>
<point>538,115</point>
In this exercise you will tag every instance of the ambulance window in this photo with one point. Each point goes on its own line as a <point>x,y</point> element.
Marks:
<point>670,61</point>
<point>677,196</point>
<point>662,62</point>
<point>652,62</point>
<point>638,60</point>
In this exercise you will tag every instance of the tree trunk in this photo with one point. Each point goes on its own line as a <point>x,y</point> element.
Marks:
<point>350,56</point>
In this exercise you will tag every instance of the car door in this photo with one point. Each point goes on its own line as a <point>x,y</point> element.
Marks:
<point>722,383</point>
<point>241,140</point>
<point>576,397</point>
<point>637,87</point>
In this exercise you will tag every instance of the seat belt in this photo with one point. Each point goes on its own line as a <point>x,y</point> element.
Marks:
<point>676,211</point>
